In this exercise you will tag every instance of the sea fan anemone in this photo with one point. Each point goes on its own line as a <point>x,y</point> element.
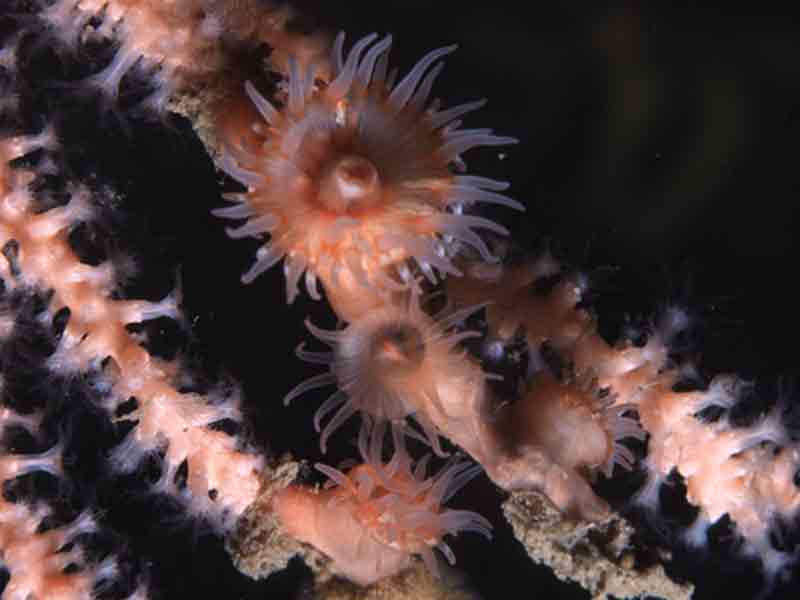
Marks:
<point>393,509</point>
<point>400,505</point>
<point>388,365</point>
<point>553,414</point>
<point>556,437</point>
<point>354,179</point>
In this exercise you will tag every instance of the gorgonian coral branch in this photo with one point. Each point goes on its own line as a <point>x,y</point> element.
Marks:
<point>42,562</point>
<point>745,472</point>
<point>222,479</point>
<point>179,45</point>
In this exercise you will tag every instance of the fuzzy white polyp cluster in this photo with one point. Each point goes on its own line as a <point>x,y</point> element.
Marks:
<point>353,179</point>
<point>39,560</point>
<point>72,22</point>
<point>745,472</point>
<point>172,42</point>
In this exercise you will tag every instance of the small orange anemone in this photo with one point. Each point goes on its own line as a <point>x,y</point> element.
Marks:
<point>388,365</point>
<point>393,509</point>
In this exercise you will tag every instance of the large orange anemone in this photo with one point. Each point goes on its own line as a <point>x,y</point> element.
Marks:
<point>353,180</point>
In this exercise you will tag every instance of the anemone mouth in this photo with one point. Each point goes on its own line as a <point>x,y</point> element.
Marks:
<point>397,348</point>
<point>350,185</point>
